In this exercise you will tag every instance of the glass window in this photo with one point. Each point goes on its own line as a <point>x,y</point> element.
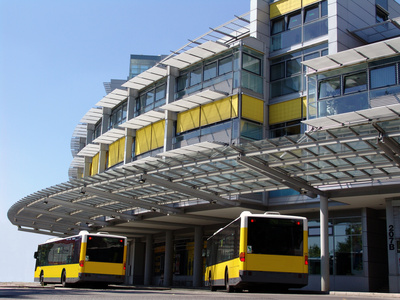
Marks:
<point>355,82</point>
<point>293,66</point>
<point>311,13</point>
<point>182,82</point>
<point>294,20</point>
<point>278,26</point>
<point>160,92</point>
<point>210,71</point>
<point>278,71</point>
<point>252,64</point>
<point>315,29</point>
<point>105,249</point>
<point>143,101</point>
<point>149,98</point>
<point>195,77</point>
<point>381,15</point>
<point>329,87</point>
<point>324,8</point>
<point>381,77</point>
<point>251,130</point>
<point>225,65</point>
<point>286,86</point>
<point>280,236</point>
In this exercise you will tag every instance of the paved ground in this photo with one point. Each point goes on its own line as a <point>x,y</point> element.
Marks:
<point>28,290</point>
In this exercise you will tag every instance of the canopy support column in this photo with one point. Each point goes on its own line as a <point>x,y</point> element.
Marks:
<point>169,253</point>
<point>324,240</point>
<point>148,260</point>
<point>197,261</point>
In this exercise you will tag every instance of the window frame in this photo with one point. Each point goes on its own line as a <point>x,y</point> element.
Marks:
<point>279,83</point>
<point>395,65</point>
<point>290,16</point>
<point>310,8</point>
<point>254,58</point>
<point>326,80</point>
<point>322,13</point>
<point>345,76</point>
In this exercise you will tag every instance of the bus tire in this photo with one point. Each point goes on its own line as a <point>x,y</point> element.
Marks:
<point>228,288</point>
<point>41,279</point>
<point>212,287</point>
<point>64,279</point>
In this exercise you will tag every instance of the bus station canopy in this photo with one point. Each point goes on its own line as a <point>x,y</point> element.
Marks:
<point>211,183</point>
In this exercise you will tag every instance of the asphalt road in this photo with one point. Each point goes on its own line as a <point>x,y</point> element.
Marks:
<point>148,293</point>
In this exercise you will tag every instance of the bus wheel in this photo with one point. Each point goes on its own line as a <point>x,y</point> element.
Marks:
<point>228,288</point>
<point>212,288</point>
<point>64,279</point>
<point>41,279</point>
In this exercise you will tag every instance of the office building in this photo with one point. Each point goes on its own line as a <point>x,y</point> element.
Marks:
<point>292,107</point>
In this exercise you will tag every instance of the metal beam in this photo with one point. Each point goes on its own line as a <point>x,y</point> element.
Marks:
<point>34,222</point>
<point>42,232</point>
<point>188,190</point>
<point>388,151</point>
<point>91,209</point>
<point>130,200</point>
<point>76,218</point>
<point>293,183</point>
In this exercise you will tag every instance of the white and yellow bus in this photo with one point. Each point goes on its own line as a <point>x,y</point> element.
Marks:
<point>92,258</point>
<point>258,251</point>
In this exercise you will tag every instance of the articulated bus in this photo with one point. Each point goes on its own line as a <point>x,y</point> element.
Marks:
<point>91,258</point>
<point>258,251</point>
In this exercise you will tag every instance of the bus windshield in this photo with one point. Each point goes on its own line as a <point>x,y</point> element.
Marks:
<point>105,249</point>
<point>275,236</point>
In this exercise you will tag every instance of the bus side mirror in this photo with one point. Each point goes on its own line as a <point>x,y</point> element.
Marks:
<point>35,255</point>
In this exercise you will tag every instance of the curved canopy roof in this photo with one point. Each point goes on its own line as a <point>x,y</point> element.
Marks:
<point>208,183</point>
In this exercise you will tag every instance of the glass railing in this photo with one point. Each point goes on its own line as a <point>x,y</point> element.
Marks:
<point>295,36</point>
<point>252,82</point>
<point>340,105</point>
<point>202,85</point>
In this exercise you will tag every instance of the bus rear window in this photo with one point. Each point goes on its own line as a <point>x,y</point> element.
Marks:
<point>275,236</point>
<point>105,249</point>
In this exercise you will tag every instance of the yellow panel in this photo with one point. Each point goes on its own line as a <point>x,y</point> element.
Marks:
<point>188,120</point>
<point>252,109</point>
<point>304,103</point>
<point>307,2</point>
<point>143,140</point>
<point>216,111</point>
<point>113,154</point>
<point>121,149</point>
<point>116,152</point>
<point>285,111</point>
<point>157,134</point>
<point>283,7</point>
<point>94,168</point>
<point>235,106</point>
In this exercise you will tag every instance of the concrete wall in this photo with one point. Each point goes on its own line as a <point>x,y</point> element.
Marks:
<point>346,15</point>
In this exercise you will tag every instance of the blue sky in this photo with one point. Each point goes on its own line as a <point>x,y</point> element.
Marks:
<point>54,58</point>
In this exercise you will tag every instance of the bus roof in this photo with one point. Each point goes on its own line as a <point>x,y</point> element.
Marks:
<point>83,233</point>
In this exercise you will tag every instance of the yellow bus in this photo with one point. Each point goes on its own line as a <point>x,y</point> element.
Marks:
<point>90,258</point>
<point>258,251</point>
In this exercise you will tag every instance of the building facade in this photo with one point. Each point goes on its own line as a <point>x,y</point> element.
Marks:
<point>292,107</point>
